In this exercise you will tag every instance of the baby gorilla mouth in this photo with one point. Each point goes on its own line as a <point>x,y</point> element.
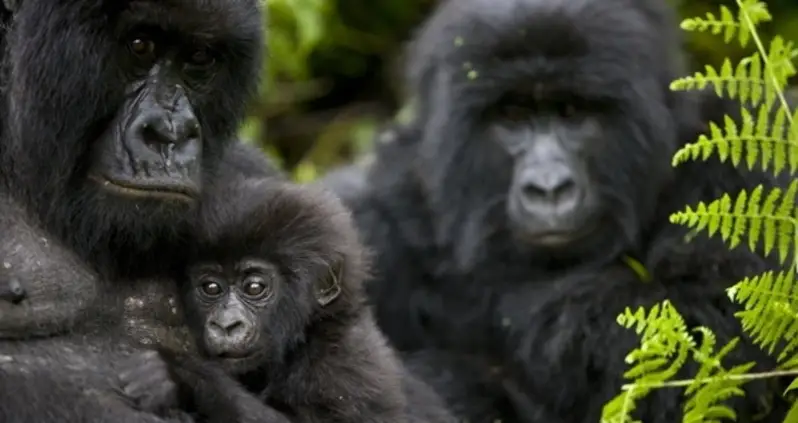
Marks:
<point>180,193</point>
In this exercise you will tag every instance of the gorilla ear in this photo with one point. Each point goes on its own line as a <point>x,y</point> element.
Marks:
<point>328,289</point>
<point>11,5</point>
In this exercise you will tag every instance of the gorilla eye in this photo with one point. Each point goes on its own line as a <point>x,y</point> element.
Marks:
<point>142,47</point>
<point>202,58</point>
<point>254,286</point>
<point>567,110</point>
<point>515,113</point>
<point>211,288</point>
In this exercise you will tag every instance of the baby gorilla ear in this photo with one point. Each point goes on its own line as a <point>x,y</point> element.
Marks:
<point>327,289</point>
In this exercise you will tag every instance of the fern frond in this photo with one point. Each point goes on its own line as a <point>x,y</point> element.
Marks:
<point>665,347</point>
<point>743,81</point>
<point>756,10</point>
<point>764,142</point>
<point>773,222</point>
<point>704,403</point>
<point>766,137</point>
<point>753,78</point>
<point>792,413</point>
<point>769,302</point>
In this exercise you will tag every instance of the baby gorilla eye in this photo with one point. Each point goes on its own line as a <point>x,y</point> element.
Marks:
<point>211,288</point>
<point>254,286</point>
<point>142,47</point>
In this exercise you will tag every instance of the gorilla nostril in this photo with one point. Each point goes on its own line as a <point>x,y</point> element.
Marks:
<point>234,328</point>
<point>160,129</point>
<point>532,191</point>
<point>551,191</point>
<point>564,190</point>
<point>152,136</point>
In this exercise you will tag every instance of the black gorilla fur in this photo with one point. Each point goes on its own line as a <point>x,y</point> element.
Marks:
<point>33,265</point>
<point>274,295</point>
<point>79,108</point>
<point>508,321</point>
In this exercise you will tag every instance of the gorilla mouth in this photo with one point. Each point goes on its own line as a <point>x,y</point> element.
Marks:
<point>234,355</point>
<point>557,238</point>
<point>175,192</point>
<point>554,238</point>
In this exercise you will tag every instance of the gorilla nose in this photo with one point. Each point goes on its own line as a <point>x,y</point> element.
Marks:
<point>161,128</point>
<point>230,333</point>
<point>552,186</point>
<point>233,330</point>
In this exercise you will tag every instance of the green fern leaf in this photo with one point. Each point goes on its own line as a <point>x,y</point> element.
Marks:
<point>753,210</point>
<point>792,414</point>
<point>786,229</point>
<point>767,138</point>
<point>774,225</point>
<point>751,13</point>
<point>768,302</point>
<point>755,75</point>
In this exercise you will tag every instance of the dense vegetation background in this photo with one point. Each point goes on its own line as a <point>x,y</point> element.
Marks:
<point>333,73</point>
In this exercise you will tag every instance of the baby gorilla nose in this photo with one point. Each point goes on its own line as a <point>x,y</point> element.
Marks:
<point>229,334</point>
<point>549,187</point>
<point>230,330</point>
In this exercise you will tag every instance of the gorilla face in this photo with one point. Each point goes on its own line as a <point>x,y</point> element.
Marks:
<point>118,110</point>
<point>549,122</point>
<point>551,199</point>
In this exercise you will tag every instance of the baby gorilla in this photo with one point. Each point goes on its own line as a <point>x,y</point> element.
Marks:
<point>274,292</point>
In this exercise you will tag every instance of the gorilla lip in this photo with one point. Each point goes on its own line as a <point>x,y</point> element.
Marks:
<point>162,192</point>
<point>234,355</point>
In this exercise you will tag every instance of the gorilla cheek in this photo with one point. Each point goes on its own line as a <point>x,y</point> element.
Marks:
<point>152,148</point>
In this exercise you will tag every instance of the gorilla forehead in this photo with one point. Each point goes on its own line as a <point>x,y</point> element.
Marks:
<point>212,19</point>
<point>618,39</point>
<point>281,218</point>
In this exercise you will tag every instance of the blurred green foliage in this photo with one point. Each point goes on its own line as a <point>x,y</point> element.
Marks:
<point>332,73</point>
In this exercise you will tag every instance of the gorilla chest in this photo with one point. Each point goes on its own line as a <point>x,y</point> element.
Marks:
<point>566,328</point>
<point>152,313</point>
<point>456,314</point>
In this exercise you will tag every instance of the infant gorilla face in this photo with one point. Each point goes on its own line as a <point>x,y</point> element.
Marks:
<point>234,303</point>
<point>248,313</point>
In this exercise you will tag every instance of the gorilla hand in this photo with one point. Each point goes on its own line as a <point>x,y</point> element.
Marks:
<point>146,380</point>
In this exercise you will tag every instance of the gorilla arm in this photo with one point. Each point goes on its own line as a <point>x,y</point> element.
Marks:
<point>159,380</point>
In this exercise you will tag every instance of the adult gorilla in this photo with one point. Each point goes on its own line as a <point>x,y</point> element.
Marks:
<point>504,217</point>
<point>116,115</point>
